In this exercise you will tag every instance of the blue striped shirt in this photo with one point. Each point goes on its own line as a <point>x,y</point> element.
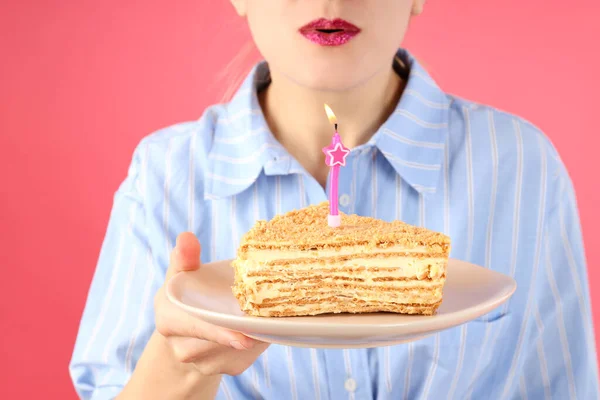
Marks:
<point>490,180</point>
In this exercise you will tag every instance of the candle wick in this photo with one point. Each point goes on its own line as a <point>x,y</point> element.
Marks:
<point>335,127</point>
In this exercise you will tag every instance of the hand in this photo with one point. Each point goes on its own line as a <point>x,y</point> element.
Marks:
<point>212,350</point>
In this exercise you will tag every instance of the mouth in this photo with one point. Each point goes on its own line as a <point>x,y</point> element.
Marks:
<point>326,32</point>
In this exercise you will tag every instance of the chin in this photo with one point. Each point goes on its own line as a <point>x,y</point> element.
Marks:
<point>328,79</point>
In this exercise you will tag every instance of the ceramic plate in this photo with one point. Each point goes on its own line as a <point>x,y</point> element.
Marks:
<point>470,292</point>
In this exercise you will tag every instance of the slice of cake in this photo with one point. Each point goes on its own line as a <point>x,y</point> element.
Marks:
<point>296,265</point>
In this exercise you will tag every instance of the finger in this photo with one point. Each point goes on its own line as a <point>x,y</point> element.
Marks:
<point>214,359</point>
<point>202,330</point>
<point>174,322</point>
<point>186,254</point>
<point>186,349</point>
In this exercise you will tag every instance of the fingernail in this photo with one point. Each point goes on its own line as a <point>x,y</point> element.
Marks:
<point>236,344</point>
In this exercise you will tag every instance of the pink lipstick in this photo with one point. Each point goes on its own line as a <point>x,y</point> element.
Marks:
<point>325,32</point>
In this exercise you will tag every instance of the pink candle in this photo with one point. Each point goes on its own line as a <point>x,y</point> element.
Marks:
<point>335,156</point>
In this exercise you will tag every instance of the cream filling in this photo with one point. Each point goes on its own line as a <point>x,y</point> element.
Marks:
<point>403,267</point>
<point>273,290</point>
<point>331,306</point>
<point>335,286</point>
<point>424,290</point>
<point>272,255</point>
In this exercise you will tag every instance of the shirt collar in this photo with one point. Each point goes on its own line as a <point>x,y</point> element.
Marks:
<point>413,139</point>
<point>415,136</point>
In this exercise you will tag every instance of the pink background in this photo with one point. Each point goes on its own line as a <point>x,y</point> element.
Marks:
<point>81,82</point>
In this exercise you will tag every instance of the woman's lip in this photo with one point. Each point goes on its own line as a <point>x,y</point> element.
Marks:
<point>326,32</point>
<point>323,23</point>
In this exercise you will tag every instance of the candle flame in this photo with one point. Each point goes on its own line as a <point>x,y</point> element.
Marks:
<point>330,114</point>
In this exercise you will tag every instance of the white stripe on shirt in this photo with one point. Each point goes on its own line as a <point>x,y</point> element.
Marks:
<point>573,268</point>
<point>230,181</point>
<point>348,366</point>
<point>192,185</point>
<point>490,228</point>
<point>315,372</point>
<point>541,356</point>
<point>433,367</point>
<point>146,296</point>
<point>470,236</point>
<point>123,309</point>
<point>233,222</point>
<point>236,140</point>
<point>292,375</point>
<point>410,164</point>
<point>265,362</point>
<point>407,378</point>
<point>111,286</point>
<point>255,156</point>
<point>411,142</point>
<point>226,389</point>
<point>425,124</point>
<point>238,115</point>
<point>167,196</point>
<point>422,99</point>
<point>560,320</point>
<point>522,388</point>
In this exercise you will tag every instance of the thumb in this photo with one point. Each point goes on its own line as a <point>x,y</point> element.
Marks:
<point>185,256</point>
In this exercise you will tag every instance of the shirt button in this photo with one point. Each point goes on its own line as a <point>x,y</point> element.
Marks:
<point>344,200</point>
<point>350,385</point>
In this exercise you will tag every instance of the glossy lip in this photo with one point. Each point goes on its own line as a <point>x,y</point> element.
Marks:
<point>325,32</point>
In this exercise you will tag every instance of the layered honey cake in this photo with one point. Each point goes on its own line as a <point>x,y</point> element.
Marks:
<point>297,265</point>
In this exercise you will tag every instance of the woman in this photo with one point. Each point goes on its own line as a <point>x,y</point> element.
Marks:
<point>488,179</point>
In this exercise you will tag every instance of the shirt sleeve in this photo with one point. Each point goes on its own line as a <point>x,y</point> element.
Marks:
<point>560,360</point>
<point>118,318</point>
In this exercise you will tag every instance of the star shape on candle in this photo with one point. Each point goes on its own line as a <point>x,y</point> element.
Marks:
<point>335,154</point>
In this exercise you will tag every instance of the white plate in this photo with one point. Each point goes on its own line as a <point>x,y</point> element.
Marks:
<point>470,292</point>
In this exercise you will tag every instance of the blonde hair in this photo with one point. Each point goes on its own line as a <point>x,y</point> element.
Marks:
<point>234,73</point>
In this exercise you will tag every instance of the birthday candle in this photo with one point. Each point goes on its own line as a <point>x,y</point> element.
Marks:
<point>335,157</point>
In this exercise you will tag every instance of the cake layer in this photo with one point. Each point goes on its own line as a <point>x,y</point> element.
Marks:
<point>390,266</point>
<point>307,230</point>
<point>378,281</point>
<point>310,281</point>
<point>336,307</point>
<point>425,292</point>
<point>268,288</point>
<point>296,264</point>
<point>278,252</point>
